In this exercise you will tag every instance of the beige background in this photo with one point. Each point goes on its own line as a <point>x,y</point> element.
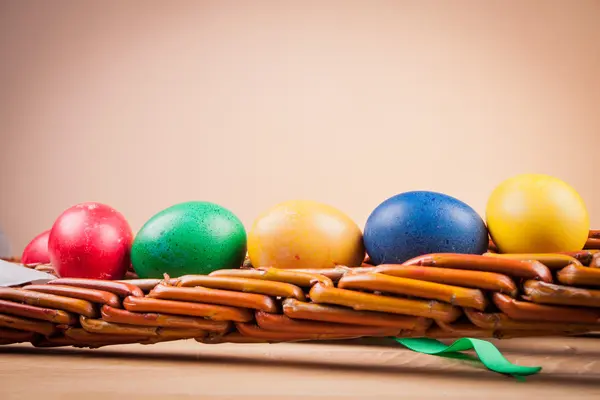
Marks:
<point>145,104</point>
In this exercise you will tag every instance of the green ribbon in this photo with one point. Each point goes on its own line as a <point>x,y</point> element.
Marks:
<point>488,354</point>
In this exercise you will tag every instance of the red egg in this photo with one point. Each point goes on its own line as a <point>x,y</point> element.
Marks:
<point>90,240</point>
<point>36,252</point>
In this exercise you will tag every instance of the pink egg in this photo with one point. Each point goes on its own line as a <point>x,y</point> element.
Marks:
<point>36,252</point>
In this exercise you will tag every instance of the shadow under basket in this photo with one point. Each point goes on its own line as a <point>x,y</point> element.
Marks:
<point>440,296</point>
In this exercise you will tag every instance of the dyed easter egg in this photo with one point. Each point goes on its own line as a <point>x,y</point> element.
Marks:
<point>415,223</point>
<point>535,213</point>
<point>189,238</point>
<point>305,234</point>
<point>90,240</point>
<point>36,251</point>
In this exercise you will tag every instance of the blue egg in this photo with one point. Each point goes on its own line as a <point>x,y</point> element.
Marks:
<point>416,223</point>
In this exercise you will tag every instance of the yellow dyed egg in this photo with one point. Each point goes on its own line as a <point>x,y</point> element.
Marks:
<point>535,213</point>
<point>305,234</point>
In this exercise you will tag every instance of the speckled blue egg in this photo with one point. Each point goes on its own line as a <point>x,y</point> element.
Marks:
<point>416,223</point>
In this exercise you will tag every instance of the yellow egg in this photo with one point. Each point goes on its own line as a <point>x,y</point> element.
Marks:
<point>535,213</point>
<point>305,234</point>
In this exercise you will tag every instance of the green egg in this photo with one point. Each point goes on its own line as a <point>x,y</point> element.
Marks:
<point>189,238</point>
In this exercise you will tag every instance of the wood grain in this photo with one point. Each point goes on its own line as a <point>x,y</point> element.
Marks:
<point>182,370</point>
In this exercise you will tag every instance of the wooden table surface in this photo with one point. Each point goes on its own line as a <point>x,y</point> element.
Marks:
<point>186,370</point>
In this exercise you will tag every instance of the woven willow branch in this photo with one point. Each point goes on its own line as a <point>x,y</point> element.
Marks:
<point>435,296</point>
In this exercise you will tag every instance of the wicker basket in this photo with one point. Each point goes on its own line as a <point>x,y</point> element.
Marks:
<point>435,296</point>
